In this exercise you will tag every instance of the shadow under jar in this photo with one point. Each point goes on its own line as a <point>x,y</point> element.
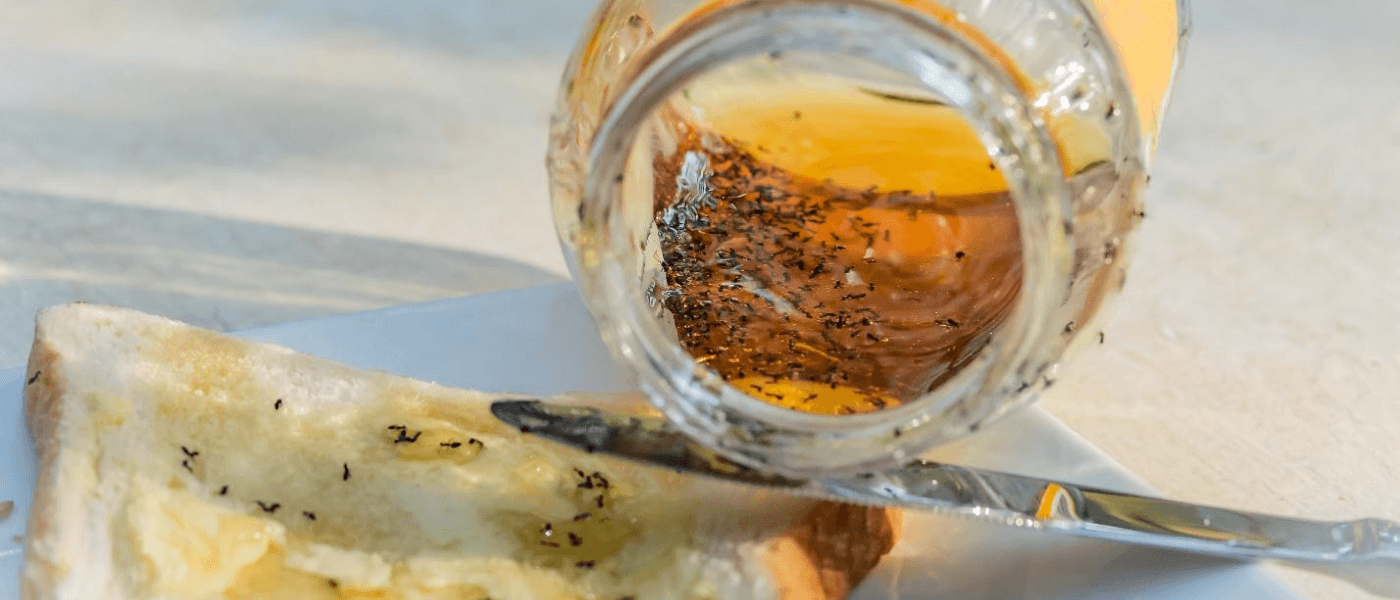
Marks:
<point>830,234</point>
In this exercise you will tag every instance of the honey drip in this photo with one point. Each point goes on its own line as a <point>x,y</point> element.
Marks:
<point>835,255</point>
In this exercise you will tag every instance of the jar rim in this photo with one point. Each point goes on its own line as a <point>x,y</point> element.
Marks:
<point>987,93</point>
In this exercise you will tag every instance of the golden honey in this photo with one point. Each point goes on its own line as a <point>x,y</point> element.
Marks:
<point>847,251</point>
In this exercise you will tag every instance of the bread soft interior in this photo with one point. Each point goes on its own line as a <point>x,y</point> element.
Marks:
<point>181,463</point>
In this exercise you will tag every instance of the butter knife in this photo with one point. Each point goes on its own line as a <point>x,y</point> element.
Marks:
<point>1364,552</point>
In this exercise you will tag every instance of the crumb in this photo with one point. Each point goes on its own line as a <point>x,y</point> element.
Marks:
<point>6,509</point>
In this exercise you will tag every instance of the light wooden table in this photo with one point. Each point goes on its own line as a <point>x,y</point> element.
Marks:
<point>244,163</point>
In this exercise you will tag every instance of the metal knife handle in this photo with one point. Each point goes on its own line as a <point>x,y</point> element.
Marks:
<point>1365,552</point>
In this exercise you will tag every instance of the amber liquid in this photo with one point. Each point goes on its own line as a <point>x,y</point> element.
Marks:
<point>835,252</point>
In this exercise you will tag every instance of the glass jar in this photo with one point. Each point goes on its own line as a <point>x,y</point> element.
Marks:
<point>830,234</point>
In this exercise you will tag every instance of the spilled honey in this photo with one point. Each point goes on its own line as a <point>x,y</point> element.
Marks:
<point>590,533</point>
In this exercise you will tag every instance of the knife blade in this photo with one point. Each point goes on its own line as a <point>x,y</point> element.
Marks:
<point>1365,552</point>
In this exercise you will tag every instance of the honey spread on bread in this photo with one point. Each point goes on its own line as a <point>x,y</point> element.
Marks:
<point>177,462</point>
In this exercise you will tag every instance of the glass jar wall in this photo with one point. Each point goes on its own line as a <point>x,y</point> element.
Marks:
<point>829,234</point>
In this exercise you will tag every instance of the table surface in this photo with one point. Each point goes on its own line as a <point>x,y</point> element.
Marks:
<point>238,164</point>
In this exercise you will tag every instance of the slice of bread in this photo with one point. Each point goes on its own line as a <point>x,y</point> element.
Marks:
<point>180,463</point>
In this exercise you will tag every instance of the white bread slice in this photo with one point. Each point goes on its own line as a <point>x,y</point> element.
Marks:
<point>176,462</point>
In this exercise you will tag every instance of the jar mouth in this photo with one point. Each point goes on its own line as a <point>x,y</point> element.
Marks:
<point>940,58</point>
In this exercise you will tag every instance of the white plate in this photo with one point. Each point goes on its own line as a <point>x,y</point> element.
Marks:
<point>540,341</point>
